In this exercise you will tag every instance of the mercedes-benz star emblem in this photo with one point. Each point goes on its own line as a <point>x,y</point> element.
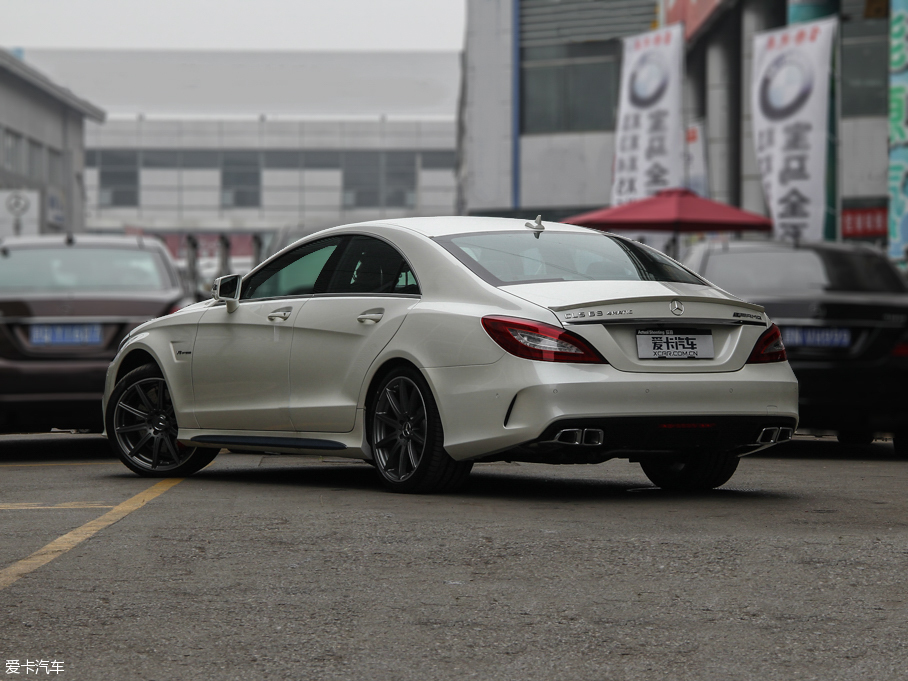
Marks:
<point>676,306</point>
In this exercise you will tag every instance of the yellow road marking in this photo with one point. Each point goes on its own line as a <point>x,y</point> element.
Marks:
<point>72,539</point>
<point>90,463</point>
<point>24,506</point>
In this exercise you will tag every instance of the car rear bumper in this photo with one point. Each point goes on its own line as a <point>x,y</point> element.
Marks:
<point>39,395</point>
<point>872,396</point>
<point>490,409</point>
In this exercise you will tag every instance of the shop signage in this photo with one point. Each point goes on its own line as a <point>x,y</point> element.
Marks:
<point>692,13</point>
<point>898,129</point>
<point>858,223</point>
<point>19,212</point>
<point>695,160</point>
<point>649,144</point>
<point>790,104</point>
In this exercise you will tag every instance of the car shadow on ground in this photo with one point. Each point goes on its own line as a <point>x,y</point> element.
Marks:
<point>829,448</point>
<point>541,483</point>
<point>53,448</point>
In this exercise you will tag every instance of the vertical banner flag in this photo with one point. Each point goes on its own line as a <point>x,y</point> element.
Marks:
<point>695,160</point>
<point>898,129</point>
<point>790,104</point>
<point>649,141</point>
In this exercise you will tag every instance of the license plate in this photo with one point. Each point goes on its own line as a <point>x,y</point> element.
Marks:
<point>674,344</point>
<point>65,334</point>
<point>815,337</point>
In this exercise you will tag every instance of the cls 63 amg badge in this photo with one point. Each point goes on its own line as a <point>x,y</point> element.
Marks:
<point>596,313</point>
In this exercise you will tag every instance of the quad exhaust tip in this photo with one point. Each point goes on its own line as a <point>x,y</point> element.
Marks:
<point>771,436</point>
<point>588,437</point>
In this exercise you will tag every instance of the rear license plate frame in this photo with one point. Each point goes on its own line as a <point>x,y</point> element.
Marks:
<point>675,343</point>
<point>65,335</point>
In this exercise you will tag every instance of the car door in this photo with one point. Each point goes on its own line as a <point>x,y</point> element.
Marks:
<point>339,333</point>
<point>240,362</point>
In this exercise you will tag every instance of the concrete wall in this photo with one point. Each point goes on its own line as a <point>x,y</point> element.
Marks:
<point>487,110</point>
<point>34,115</point>
<point>568,169</point>
<point>865,157</point>
<point>191,198</point>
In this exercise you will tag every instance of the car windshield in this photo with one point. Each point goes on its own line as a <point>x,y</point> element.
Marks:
<point>503,258</point>
<point>79,268</point>
<point>804,270</point>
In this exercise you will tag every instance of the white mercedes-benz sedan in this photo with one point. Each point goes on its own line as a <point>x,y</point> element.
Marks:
<point>423,345</point>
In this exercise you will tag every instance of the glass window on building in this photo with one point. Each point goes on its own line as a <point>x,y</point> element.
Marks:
<point>865,68</point>
<point>570,88</point>
<point>241,179</point>
<point>281,159</point>
<point>399,188</point>
<point>161,158</point>
<point>362,179</point>
<point>118,178</point>
<point>321,160</point>
<point>36,161</point>
<point>12,152</point>
<point>54,168</point>
<point>200,159</point>
<point>438,160</point>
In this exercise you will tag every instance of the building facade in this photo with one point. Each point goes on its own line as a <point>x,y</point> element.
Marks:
<point>42,183</point>
<point>219,141</point>
<point>540,101</point>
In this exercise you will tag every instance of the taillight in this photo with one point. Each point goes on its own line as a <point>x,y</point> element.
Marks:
<point>543,342</point>
<point>900,349</point>
<point>769,348</point>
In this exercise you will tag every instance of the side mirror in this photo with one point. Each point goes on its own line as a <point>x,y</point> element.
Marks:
<point>227,288</point>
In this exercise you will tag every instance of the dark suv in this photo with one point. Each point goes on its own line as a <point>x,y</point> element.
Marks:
<point>843,312</point>
<point>65,304</point>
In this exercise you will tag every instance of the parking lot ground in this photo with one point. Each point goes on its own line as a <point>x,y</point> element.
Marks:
<point>263,567</point>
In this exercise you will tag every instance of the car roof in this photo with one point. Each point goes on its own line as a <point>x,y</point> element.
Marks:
<point>776,246</point>
<point>459,224</point>
<point>76,240</point>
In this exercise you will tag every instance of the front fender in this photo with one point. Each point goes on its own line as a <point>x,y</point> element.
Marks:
<point>170,342</point>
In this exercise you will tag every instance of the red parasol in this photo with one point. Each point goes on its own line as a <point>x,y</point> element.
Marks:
<point>676,210</point>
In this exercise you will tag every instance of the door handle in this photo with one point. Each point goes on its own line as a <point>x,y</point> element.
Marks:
<point>370,317</point>
<point>283,314</point>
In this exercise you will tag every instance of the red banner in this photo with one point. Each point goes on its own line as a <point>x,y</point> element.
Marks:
<point>692,12</point>
<point>864,222</point>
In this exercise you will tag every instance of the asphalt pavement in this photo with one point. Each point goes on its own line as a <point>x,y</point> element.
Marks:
<point>265,567</point>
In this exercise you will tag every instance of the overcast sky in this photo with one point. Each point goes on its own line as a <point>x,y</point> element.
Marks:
<point>234,24</point>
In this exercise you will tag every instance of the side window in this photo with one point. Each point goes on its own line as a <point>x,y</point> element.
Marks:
<point>370,265</point>
<point>294,274</point>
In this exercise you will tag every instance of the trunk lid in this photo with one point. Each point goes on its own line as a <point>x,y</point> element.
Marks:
<point>74,326</point>
<point>611,315</point>
<point>853,327</point>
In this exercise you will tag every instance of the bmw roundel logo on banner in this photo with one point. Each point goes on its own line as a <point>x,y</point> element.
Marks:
<point>786,85</point>
<point>649,79</point>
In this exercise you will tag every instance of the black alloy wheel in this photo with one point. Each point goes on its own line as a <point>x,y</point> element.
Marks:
<point>142,428</point>
<point>699,474</point>
<point>406,437</point>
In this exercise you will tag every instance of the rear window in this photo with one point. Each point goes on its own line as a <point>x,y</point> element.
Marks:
<point>804,270</point>
<point>504,258</point>
<point>52,270</point>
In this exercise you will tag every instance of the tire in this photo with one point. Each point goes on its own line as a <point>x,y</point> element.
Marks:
<point>142,428</point>
<point>900,442</point>
<point>407,439</point>
<point>856,437</point>
<point>693,475</point>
